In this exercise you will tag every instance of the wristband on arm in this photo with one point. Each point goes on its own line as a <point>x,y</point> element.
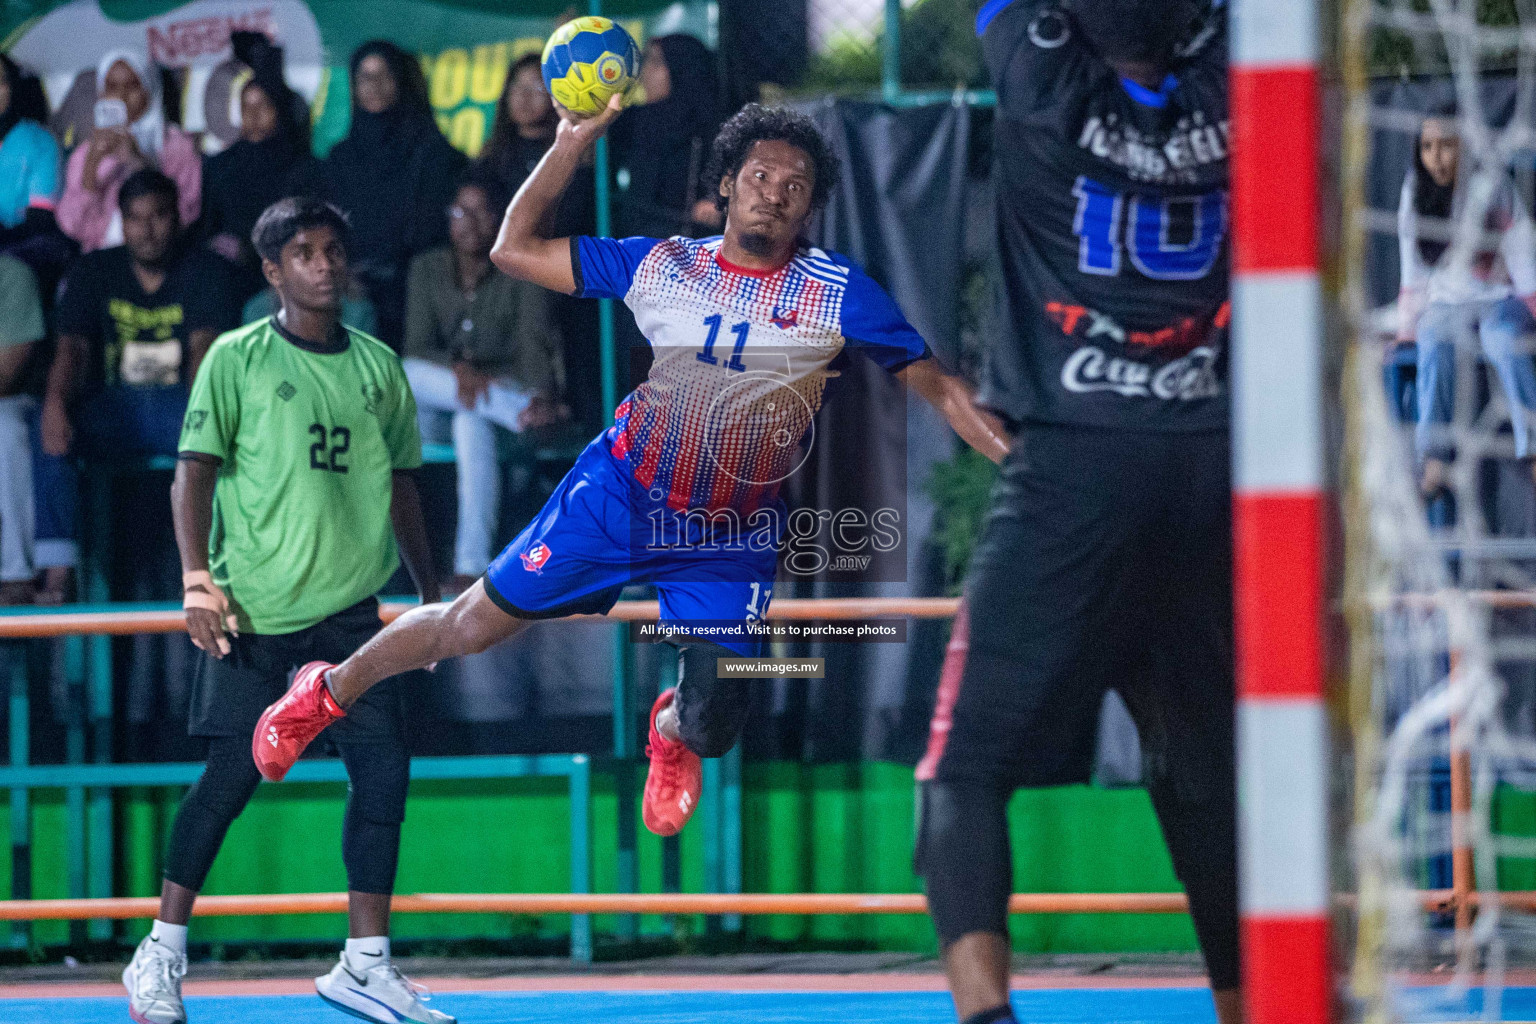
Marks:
<point>210,598</point>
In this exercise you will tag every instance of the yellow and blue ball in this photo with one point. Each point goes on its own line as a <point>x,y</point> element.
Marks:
<point>587,61</point>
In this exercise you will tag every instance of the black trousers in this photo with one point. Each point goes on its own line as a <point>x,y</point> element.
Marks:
<point>1106,562</point>
<point>230,694</point>
<point>378,775</point>
<point>710,712</point>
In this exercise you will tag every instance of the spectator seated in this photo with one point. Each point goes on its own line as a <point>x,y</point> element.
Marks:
<point>484,350</point>
<point>134,322</point>
<point>91,209</point>
<point>21,331</point>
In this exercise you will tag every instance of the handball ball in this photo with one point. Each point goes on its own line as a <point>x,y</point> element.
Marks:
<point>587,61</point>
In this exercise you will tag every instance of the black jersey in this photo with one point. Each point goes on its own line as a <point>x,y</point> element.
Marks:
<point>1112,221</point>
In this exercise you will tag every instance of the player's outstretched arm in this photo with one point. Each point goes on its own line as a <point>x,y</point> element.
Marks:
<point>521,250</point>
<point>956,400</point>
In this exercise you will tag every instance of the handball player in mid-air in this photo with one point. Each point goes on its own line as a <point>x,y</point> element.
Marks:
<point>743,327</point>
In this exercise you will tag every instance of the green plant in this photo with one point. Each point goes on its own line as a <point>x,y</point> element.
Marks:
<point>1392,51</point>
<point>939,48</point>
<point>961,489</point>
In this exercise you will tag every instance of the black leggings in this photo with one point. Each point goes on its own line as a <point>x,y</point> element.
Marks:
<point>964,857</point>
<point>710,711</point>
<point>378,775</point>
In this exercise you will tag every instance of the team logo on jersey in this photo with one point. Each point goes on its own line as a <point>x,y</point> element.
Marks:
<point>285,391</point>
<point>786,320</point>
<point>372,396</point>
<point>535,558</point>
<point>195,420</point>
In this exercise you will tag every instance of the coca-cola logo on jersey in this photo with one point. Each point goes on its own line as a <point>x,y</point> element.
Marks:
<point>1186,379</point>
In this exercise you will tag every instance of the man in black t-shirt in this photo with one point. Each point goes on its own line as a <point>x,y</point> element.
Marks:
<point>1106,560</point>
<point>133,323</point>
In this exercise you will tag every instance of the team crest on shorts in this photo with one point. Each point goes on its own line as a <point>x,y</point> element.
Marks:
<point>535,558</point>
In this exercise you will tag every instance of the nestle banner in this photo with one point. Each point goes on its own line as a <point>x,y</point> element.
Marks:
<point>464,52</point>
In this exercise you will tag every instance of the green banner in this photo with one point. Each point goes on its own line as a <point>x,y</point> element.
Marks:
<point>465,48</point>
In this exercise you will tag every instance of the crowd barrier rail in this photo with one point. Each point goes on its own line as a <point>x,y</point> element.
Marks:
<point>95,779</point>
<point>802,903</point>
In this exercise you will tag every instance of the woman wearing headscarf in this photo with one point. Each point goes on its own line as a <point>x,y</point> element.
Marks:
<point>394,175</point>
<point>661,146</point>
<point>521,134</point>
<point>88,213</point>
<point>262,165</point>
<point>1459,291</point>
<point>29,164</point>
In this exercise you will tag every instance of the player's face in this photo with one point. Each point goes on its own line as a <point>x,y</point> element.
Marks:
<point>149,228</point>
<point>312,270</point>
<point>375,85</point>
<point>472,224</point>
<point>770,198</point>
<point>258,114</point>
<point>122,83</point>
<point>1440,149</point>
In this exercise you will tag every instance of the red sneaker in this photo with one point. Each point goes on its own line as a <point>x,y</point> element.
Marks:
<point>287,727</point>
<point>672,785</point>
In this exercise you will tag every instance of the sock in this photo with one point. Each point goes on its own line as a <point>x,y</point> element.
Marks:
<point>171,936</point>
<point>369,952</point>
<point>997,1015</point>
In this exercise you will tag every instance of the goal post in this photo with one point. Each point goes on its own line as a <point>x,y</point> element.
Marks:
<point>1279,511</point>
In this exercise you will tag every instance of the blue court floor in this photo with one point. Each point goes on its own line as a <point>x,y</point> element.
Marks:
<point>1122,1006</point>
<point>1127,1006</point>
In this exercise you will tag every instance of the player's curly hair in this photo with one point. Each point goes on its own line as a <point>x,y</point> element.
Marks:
<point>756,123</point>
<point>1139,30</point>
<point>287,217</point>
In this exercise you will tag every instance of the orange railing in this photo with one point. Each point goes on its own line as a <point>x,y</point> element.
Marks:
<point>93,622</point>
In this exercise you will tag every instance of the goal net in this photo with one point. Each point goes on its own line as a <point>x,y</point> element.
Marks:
<point>1438,399</point>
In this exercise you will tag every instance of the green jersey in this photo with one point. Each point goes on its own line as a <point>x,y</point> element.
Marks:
<point>309,440</point>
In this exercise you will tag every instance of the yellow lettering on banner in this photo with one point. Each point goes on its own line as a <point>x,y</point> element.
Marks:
<point>445,124</point>
<point>450,79</point>
<point>468,130</point>
<point>489,72</point>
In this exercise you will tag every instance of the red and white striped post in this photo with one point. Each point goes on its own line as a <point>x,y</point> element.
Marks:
<point>1277,337</point>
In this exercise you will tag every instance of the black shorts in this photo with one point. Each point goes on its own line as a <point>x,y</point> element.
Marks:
<point>1105,563</point>
<point>230,693</point>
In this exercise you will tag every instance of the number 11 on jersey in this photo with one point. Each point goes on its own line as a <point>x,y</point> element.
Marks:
<point>740,330</point>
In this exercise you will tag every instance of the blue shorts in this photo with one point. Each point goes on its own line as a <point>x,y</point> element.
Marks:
<point>601,531</point>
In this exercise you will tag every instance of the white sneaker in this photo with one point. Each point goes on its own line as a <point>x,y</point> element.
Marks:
<point>153,980</point>
<point>379,993</point>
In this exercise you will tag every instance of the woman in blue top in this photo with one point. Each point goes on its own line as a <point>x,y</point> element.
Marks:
<point>29,165</point>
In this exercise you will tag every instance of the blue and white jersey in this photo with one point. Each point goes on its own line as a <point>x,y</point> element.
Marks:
<point>741,360</point>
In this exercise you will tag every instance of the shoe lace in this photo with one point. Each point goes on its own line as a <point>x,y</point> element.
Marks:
<point>419,990</point>
<point>667,764</point>
<point>160,978</point>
